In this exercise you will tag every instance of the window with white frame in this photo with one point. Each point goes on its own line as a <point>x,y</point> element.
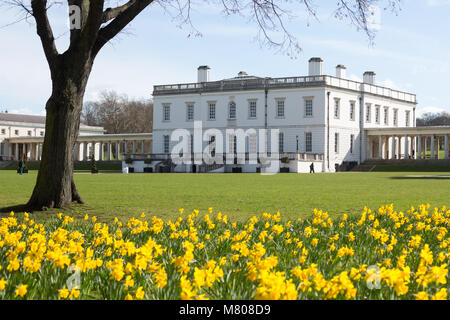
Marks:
<point>3,131</point>
<point>252,109</point>
<point>368,112</point>
<point>212,111</point>
<point>337,108</point>
<point>352,138</point>
<point>396,117</point>
<point>308,108</point>
<point>166,112</point>
<point>42,133</point>
<point>29,133</point>
<point>280,108</point>
<point>281,142</point>
<point>166,143</point>
<point>308,142</point>
<point>352,110</point>
<point>190,112</point>
<point>407,116</point>
<point>336,142</point>
<point>386,115</point>
<point>377,114</point>
<point>232,110</point>
<point>16,132</point>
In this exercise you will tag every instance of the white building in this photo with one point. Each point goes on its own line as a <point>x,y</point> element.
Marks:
<point>22,136</point>
<point>321,118</point>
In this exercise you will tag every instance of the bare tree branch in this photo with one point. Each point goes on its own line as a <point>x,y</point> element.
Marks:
<point>44,30</point>
<point>119,23</point>
<point>111,13</point>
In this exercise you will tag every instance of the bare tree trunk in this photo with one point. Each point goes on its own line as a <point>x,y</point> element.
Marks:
<point>55,187</point>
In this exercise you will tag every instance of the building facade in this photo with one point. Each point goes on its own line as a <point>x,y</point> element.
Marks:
<point>22,137</point>
<point>320,118</point>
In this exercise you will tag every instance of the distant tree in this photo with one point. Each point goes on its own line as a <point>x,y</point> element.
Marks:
<point>117,114</point>
<point>434,119</point>
<point>93,23</point>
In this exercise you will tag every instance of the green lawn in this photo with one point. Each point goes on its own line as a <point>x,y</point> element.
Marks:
<point>239,195</point>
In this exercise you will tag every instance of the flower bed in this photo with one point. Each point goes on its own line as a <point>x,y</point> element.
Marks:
<point>383,254</point>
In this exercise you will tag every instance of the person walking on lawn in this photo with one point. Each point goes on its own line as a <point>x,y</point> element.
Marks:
<point>311,168</point>
<point>21,166</point>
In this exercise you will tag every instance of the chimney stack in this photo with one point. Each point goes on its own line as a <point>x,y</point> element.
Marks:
<point>203,74</point>
<point>242,74</point>
<point>341,71</point>
<point>315,66</point>
<point>369,77</point>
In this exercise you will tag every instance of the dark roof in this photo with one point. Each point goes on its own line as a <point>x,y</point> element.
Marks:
<point>21,118</point>
<point>29,119</point>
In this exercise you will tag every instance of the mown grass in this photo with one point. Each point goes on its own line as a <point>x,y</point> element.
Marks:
<point>239,195</point>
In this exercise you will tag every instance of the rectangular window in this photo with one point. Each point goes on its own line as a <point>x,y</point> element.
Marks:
<point>336,142</point>
<point>386,115</point>
<point>166,111</point>
<point>308,141</point>
<point>42,133</point>
<point>190,112</point>
<point>280,108</point>
<point>232,111</point>
<point>407,118</point>
<point>16,132</point>
<point>396,117</point>
<point>3,131</point>
<point>368,111</point>
<point>352,110</point>
<point>352,138</point>
<point>377,114</point>
<point>212,111</point>
<point>308,108</point>
<point>29,133</point>
<point>336,108</point>
<point>166,143</point>
<point>252,109</point>
<point>281,142</point>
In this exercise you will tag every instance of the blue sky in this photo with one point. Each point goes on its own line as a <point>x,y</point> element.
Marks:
<point>410,53</point>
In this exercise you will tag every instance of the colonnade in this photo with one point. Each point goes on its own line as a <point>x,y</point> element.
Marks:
<point>408,146</point>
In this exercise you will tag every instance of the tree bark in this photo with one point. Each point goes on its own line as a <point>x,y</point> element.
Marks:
<point>55,187</point>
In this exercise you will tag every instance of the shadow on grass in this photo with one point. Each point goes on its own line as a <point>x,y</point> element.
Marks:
<point>422,177</point>
<point>17,208</point>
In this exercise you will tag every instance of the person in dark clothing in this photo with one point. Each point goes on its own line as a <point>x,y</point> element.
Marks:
<point>21,166</point>
<point>311,168</point>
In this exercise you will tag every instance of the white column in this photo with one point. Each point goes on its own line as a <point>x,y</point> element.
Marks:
<point>380,146</point>
<point>125,147</point>
<point>419,147</point>
<point>100,151</point>
<point>109,151</point>
<point>446,146</point>
<point>84,158</point>
<point>31,151</point>
<point>117,150</point>
<point>432,145</point>
<point>406,147</point>
<point>134,147</point>
<point>399,147</point>
<point>393,147</point>
<point>143,146</point>
<point>17,152</point>
<point>437,147</point>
